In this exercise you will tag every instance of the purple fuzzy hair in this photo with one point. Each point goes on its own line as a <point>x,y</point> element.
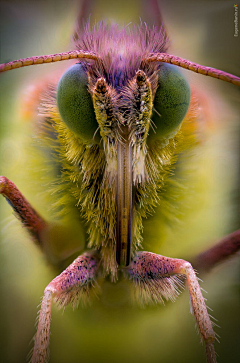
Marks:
<point>121,49</point>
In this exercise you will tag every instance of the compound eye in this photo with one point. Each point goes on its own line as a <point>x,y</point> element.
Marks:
<point>171,102</point>
<point>75,103</point>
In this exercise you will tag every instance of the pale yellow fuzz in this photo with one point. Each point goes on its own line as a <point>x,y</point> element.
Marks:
<point>88,172</point>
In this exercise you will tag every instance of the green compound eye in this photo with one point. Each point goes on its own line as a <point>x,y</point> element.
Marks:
<point>171,102</point>
<point>75,103</point>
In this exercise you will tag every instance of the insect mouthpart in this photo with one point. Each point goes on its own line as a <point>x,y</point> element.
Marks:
<point>123,115</point>
<point>118,153</point>
<point>115,133</point>
<point>124,202</point>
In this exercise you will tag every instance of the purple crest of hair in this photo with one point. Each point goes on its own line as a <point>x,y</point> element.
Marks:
<point>121,49</point>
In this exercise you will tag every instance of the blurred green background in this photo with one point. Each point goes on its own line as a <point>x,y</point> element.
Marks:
<point>111,329</point>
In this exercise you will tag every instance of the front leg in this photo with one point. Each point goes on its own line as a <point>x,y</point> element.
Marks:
<point>227,247</point>
<point>157,277</point>
<point>31,220</point>
<point>56,246</point>
<point>71,286</point>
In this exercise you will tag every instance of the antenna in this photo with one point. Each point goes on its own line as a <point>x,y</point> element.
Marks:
<point>197,68</point>
<point>32,61</point>
<point>157,57</point>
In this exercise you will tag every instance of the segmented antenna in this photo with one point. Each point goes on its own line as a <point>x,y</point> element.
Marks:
<point>157,57</point>
<point>47,59</point>
<point>197,68</point>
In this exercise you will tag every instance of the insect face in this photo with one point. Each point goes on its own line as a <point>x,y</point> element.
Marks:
<point>113,314</point>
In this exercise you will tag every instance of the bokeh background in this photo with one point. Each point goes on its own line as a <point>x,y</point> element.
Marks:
<point>111,329</point>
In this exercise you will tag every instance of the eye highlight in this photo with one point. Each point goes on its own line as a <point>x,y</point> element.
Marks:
<point>75,103</point>
<point>171,101</point>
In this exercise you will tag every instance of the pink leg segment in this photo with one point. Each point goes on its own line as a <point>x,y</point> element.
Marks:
<point>154,274</point>
<point>28,216</point>
<point>224,249</point>
<point>71,286</point>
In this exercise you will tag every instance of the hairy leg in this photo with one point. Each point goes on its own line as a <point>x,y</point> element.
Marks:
<point>71,286</point>
<point>221,251</point>
<point>157,277</point>
<point>58,241</point>
<point>24,211</point>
